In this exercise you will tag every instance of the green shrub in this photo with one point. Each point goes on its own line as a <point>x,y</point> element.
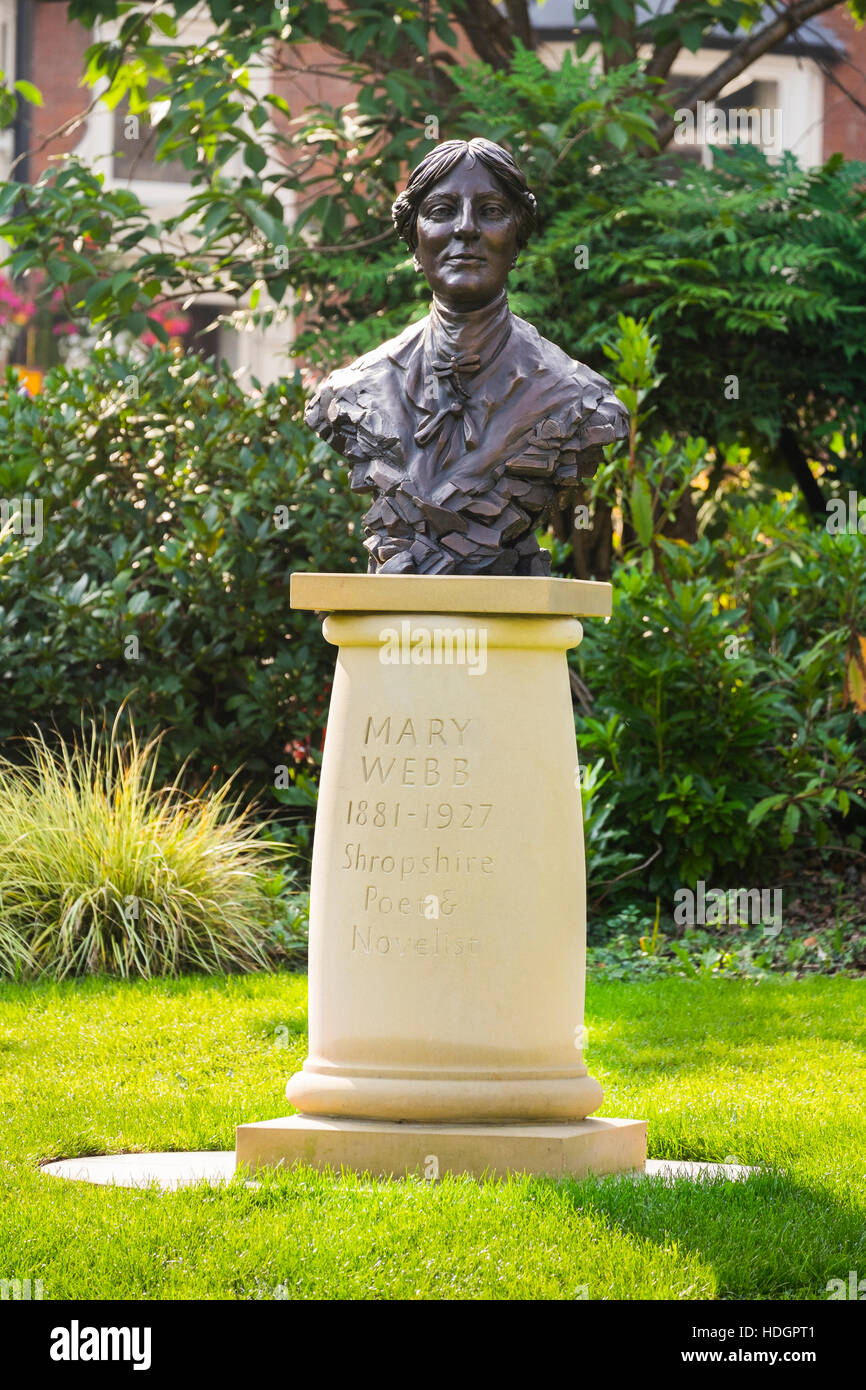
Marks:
<point>722,731</point>
<point>718,689</point>
<point>104,872</point>
<point>175,508</point>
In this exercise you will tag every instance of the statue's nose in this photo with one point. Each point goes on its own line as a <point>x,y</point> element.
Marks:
<point>466,225</point>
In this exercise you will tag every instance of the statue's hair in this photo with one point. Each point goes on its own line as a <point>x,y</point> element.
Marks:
<point>445,157</point>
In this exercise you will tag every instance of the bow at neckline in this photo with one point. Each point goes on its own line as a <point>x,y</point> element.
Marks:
<point>457,346</point>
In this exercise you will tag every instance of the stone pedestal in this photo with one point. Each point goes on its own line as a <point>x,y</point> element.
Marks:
<point>447,919</point>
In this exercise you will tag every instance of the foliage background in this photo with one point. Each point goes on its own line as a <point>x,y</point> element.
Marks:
<point>177,505</point>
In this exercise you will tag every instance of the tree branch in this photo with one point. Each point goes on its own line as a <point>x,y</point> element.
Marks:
<point>518,18</point>
<point>666,54</point>
<point>742,57</point>
<point>623,37</point>
<point>837,82</point>
<point>67,127</point>
<point>798,464</point>
<point>487,30</point>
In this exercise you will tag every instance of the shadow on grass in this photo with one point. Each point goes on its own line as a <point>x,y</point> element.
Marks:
<point>764,1236</point>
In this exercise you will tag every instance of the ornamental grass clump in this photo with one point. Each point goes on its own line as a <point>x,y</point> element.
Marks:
<point>102,871</point>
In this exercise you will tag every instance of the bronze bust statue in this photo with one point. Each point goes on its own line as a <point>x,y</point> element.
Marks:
<point>466,424</point>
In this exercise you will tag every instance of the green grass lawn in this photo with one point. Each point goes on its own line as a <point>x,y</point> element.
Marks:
<point>771,1074</point>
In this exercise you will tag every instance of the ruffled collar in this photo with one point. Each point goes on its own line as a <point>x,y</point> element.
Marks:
<point>473,336</point>
<point>454,350</point>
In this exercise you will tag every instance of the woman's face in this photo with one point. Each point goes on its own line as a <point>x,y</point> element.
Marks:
<point>467,237</point>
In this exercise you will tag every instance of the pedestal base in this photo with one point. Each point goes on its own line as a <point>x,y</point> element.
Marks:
<point>386,1149</point>
<point>447,895</point>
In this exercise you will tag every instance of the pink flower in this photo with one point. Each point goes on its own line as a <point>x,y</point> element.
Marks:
<point>14,307</point>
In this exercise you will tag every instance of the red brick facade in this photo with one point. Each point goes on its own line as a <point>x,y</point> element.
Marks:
<point>844,121</point>
<point>57,68</point>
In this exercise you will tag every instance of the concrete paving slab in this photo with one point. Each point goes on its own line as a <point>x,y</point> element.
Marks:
<point>166,1170</point>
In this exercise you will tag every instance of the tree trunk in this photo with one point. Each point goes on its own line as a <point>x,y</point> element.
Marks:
<point>592,545</point>
<point>798,465</point>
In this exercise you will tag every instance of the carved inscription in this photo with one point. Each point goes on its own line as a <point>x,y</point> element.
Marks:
<point>397,839</point>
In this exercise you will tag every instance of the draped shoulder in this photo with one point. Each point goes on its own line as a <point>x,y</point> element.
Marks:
<point>464,427</point>
<point>349,408</point>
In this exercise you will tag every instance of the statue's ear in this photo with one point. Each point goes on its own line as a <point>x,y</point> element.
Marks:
<point>416,263</point>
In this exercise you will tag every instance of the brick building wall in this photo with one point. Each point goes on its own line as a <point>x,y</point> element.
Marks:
<point>58,65</point>
<point>844,121</point>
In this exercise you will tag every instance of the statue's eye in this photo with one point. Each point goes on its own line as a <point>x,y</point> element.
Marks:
<point>493,210</point>
<point>439,210</point>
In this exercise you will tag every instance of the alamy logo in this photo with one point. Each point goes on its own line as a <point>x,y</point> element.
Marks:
<point>716,907</point>
<point>21,516</point>
<point>76,1343</point>
<point>712,125</point>
<point>20,1290</point>
<point>414,645</point>
<point>855,1288</point>
<point>846,518</point>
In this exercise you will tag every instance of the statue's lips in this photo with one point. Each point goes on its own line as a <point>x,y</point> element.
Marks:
<point>467,260</point>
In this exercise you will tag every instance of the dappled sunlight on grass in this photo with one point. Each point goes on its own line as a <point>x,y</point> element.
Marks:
<point>771,1075</point>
